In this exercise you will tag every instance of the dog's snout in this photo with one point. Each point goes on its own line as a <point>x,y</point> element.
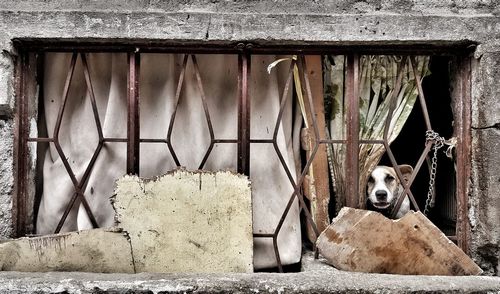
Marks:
<point>381,194</point>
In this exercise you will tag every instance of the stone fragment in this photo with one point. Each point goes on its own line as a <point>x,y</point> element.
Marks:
<point>187,221</point>
<point>366,241</point>
<point>98,250</point>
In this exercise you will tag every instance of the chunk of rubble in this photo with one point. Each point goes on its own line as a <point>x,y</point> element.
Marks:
<point>98,250</point>
<point>179,222</point>
<point>366,241</point>
<point>187,221</point>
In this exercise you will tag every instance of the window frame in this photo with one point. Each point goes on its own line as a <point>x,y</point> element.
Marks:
<point>26,82</point>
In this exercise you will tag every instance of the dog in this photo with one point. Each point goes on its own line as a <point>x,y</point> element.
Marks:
<point>384,189</point>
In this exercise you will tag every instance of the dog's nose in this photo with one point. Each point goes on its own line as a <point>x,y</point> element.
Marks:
<point>381,195</point>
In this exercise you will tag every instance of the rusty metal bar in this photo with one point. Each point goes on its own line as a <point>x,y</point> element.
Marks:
<point>57,145</point>
<point>277,253</point>
<point>66,212</point>
<point>406,187</point>
<point>261,235</point>
<point>244,69</point>
<point>225,141</point>
<point>153,141</point>
<point>79,192</point>
<point>427,149</point>
<point>392,107</point>
<point>205,110</point>
<point>67,84</point>
<point>80,186</point>
<point>20,153</point>
<point>114,140</point>
<point>274,141</point>
<point>391,156</point>
<point>38,169</point>
<point>371,141</point>
<point>165,141</point>
<point>176,103</point>
<point>57,126</point>
<point>133,128</point>
<point>283,101</point>
<point>296,186</point>
<point>421,96</point>
<point>261,141</point>
<point>90,91</point>
<point>40,140</point>
<point>328,141</point>
<point>164,46</point>
<point>464,139</point>
<point>393,101</point>
<point>65,162</point>
<point>352,146</point>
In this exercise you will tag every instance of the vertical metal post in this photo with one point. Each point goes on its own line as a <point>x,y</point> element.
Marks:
<point>21,155</point>
<point>463,132</point>
<point>244,61</point>
<point>133,113</point>
<point>352,146</point>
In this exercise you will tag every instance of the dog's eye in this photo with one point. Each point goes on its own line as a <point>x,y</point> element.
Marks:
<point>389,178</point>
<point>371,180</point>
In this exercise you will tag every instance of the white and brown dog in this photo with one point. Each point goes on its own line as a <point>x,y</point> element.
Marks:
<point>384,189</point>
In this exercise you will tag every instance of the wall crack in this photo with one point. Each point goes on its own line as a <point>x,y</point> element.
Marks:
<point>127,236</point>
<point>207,33</point>
<point>494,126</point>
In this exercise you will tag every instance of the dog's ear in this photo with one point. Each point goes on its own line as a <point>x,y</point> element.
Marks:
<point>406,170</point>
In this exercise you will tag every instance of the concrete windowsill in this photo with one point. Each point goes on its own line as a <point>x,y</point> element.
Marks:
<point>316,278</point>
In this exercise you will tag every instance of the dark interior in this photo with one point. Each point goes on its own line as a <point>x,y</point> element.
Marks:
<point>409,145</point>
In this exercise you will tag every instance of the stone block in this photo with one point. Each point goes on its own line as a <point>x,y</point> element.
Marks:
<point>99,250</point>
<point>484,207</point>
<point>6,91</point>
<point>485,106</point>
<point>187,221</point>
<point>366,241</point>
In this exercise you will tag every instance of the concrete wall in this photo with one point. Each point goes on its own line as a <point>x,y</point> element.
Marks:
<point>278,22</point>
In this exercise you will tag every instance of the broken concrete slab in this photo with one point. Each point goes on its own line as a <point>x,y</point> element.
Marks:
<point>366,241</point>
<point>99,250</point>
<point>187,221</point>
<point>180,222</point>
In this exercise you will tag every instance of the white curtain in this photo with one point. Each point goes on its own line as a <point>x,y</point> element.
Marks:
<point>159,75</point>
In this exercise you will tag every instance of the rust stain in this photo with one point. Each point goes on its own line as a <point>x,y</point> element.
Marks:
<point>457,270</point>
<point>333,236</point>
<point>422,245</point>
<point>386,252</point>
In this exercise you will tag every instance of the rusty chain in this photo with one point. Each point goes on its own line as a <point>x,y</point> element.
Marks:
<point>438,142</point>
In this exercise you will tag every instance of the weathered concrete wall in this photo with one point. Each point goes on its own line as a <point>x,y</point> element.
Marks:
<point>6,178</point>
<point>485,200</point>
<point>264,21</point>
<point>284,22</point>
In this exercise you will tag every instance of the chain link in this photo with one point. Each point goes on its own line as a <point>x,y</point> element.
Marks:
<point>438,142</point>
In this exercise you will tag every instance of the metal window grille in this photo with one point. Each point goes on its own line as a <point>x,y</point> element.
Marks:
<point>244,140</point>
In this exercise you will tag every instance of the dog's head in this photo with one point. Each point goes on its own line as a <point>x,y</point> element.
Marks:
<point>384,186</point>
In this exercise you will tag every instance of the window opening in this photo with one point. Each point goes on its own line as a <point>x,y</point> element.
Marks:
<point>134,146</point>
